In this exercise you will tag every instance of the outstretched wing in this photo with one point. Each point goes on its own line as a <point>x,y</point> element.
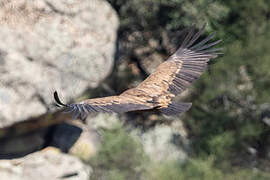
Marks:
<point>185,66</point>
<point>170,79</point>
<point>118,104</point>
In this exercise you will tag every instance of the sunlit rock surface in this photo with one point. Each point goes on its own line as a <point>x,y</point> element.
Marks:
<point>52,45</point>
<point>165,142</point>
<point>44,165</point>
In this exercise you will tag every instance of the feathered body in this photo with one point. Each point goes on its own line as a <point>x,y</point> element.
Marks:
<point>157,91</point>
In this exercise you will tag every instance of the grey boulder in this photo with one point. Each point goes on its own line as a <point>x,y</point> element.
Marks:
<point>49,45</point>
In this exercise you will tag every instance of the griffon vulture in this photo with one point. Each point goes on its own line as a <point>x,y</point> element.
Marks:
<point>157,91</point>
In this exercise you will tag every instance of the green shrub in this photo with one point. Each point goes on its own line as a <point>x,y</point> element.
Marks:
<point>198,169</point>
<point>119,157</point>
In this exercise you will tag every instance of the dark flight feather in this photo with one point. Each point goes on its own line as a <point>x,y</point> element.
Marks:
<point>158,90</point>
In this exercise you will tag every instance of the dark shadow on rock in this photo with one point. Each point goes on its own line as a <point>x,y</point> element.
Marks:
<point>19,146</point>
<point>63,136</point>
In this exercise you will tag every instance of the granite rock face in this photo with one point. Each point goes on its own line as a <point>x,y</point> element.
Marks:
<point>44,165</point>
<point>49,45</point>
<point>166,143</point>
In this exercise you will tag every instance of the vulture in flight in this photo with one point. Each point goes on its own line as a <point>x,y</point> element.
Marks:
<point>157,92</point>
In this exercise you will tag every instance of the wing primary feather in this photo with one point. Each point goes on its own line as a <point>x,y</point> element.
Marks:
<point>196,36</point>
<point>175,108</point>
<point>198,69</point>
<point>174,89</point>
<point>103,109</point>
<point>75,114</point>
<point>216,51</point>
<point>203,41</point>
<point>191,62</point>
<point>187,78</point>
<point>197,55</point>
<point>208,45</point>
<point>69,109</point>
<point>179,83</point>
<point>112,108</point>
<point>84,113</point>
<point>85,109</point>
<point>187,38</point>
<point>89,108</point>
<point>78,106</point>
<point>92,108</point>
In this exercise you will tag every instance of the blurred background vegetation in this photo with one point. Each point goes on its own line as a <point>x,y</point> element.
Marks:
<point>229,123</point>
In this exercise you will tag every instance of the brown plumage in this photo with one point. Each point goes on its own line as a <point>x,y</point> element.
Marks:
<point>157,91</point>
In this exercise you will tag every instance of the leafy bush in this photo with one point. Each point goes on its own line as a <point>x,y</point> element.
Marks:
<point>198,169</point>
<point>120,156</point>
